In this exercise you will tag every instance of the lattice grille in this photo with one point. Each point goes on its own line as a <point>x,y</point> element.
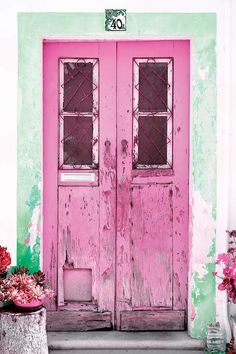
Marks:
<point>77,141</point>
<point>152,138</point>
<point>79,113</point>
<point>152,113</point>
<point>152,87</point>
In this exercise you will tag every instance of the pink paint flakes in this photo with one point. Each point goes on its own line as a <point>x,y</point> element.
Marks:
<point>27,240</point>
<point>193,314</point>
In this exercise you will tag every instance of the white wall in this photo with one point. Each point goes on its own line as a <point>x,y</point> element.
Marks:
<point>232,136</point>
<point>226,95</point>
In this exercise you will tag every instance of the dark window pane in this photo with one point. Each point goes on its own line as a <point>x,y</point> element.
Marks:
<point>78,139</point>
<point>152,140</point>
<point>153,84</point>
<point>78,87</point>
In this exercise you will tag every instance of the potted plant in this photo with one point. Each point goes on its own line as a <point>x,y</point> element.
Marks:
<point>25,290</point>
<point>227,276</point>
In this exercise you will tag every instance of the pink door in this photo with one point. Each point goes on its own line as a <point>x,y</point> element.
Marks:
<point>152,184</point>
<point>115,194</point>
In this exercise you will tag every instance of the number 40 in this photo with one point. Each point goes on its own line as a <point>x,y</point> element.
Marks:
<point>116,23</point>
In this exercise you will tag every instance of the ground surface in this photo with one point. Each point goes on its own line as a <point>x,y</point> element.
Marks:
<point>123,351</point>
<point>113,342</point>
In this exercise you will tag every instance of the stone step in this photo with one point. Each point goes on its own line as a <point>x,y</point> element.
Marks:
<point>114,342</point>
<point>124,351</point>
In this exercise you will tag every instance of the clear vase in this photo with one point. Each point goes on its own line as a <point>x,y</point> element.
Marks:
<point>215,339</point>
<point>232,321</point>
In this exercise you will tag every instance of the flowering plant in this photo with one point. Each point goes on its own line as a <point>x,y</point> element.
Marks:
<point>24,287</point>
<point>5,261</point>
<point>228,263</point>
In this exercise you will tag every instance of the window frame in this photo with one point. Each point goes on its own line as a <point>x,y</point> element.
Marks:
<point>94,114</point>
<point>168,114</point>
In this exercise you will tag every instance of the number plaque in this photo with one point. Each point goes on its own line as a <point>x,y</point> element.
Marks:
<point>115,20</point>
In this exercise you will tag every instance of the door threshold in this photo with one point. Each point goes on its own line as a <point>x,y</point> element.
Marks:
<point>77,321</point>
<point>178,340</point>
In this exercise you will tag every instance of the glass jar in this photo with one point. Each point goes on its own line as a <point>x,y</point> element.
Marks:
<point>215,339</point>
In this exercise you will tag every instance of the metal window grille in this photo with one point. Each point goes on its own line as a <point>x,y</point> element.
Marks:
<point>79,114</point>
<point>152,112</point>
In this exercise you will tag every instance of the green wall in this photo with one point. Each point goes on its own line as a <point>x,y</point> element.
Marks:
<point>201,27</point>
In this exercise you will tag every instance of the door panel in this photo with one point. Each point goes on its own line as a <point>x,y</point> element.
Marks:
<point>80,179</point>
<point>78,244</point>
<point>151,246</point>
<point>152,320</point>
<point>152,182</point>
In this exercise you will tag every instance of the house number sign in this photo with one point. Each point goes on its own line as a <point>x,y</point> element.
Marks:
<point>115,20</point>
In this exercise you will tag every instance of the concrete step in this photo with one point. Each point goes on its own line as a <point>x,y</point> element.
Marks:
<point>114,342</point>
<point>124,351</point>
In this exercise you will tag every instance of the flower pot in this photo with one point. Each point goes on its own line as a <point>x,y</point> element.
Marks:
<point>34,304</point>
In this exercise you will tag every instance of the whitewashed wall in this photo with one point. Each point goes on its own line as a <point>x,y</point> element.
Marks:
<point>232,98</point>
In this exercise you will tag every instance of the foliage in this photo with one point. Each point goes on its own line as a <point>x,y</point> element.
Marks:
<point>21,286</point>
<point>20,270</point>
<point>228,278</point>
<point>5,260</point>
<point>228,263</point>
<point>24,287</point>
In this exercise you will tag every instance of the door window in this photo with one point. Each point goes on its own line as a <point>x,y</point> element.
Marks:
<point>152,113</point>
<point>78,113</point>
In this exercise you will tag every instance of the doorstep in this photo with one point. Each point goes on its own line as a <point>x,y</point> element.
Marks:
<point>126,351</point>
<point>114,341</point>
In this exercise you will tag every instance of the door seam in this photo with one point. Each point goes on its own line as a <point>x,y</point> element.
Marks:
<point>116,184</point>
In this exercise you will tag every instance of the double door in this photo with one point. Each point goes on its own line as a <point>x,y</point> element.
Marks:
<point>115,171</point>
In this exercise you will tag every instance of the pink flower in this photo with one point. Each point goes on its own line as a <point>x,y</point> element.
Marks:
<point>224,258</point>
<point>227,271</point>
<point>23,288</point>
<point>228,264</point>
<point>224,284</point>
<point>5,259</point>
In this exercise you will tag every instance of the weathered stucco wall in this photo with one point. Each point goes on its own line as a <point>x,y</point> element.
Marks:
<point>32,28</point>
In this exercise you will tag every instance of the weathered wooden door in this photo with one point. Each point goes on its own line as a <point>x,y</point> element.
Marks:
<point>115,190</point>
<point>152,184</point>
<point>80,182</point>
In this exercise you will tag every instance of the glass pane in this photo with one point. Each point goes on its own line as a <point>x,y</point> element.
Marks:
<point>152,140</point>
<point>153,85</point>
<point>78,140</point>
<point>78,87</point>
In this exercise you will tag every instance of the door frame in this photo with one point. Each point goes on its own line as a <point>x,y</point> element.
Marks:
<point>48,200</point>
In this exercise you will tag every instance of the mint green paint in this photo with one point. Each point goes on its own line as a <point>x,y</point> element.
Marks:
<point>203,291</point>
<point>25,256</point>
<point>204,138</point>
<point>212,250</point>
<point>34,198</point>
<point>33,27</point>
<point>28,258</point>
